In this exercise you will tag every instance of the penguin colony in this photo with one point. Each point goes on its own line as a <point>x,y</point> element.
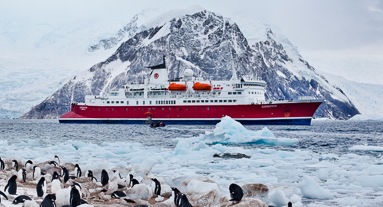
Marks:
<point>65,185</point>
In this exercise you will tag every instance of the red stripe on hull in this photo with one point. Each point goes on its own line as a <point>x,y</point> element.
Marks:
<point>264,111</point>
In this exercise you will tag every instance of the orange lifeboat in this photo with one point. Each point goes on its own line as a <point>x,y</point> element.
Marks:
<point>202,86</point>
<point>177,87</point>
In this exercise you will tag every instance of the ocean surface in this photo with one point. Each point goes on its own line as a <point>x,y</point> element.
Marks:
<point>330,163</point>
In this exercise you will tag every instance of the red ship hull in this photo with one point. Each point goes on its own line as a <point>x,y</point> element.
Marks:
<point>295,113</point>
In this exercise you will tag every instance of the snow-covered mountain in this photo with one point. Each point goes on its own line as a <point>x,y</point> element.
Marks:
<point>210,45</point>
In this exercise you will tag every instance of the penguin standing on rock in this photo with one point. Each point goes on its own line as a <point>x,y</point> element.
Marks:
<point>28,165</point>
<point>177,196</point>
<point>49,201</point>
<point>157,189</point>
<point>36,172</point>
<point>11,185</point>
<point>15,165</point>
<point>22,175</point>
<point>56,183</point>
<point>236,193</point>
<point>104,177</point>
<point>41,187</point>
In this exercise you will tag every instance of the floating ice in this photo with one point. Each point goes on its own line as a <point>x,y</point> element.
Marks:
<point>229,131</point>
<point>366,148</point>
<point>311,189</point>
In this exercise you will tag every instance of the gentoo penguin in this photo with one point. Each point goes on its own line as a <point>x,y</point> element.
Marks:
<point>21,199</point>
<point>65,174</point>
<point>157,189</point>
<point>184,202</point>
<point>49,201</point>
<point>22,175</point>
<point>36,172</point>
<point>28,165</point>
<point>177,196</point>
<point>56,183</point>
<point>3,194</point>
<point>118,194</point>
<point>11,185</point>
<point>57,159</point>
<point>41,187</point>
<point>132,181</point>
<point>15,165</point>
<point>89,174</point>
<point>104,177</point>
<point>75,198</point>
<point>236,192</point>
<point>77,170</point>
<point>2,164</point>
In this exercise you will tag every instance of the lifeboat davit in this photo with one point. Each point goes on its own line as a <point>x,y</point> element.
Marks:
<point>202,86</point>
<point>177,87</point>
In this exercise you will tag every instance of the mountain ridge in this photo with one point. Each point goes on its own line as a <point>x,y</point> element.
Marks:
<point>208,44</point>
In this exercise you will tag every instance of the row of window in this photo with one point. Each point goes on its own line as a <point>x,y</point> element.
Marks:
<point>117,102</point>
<point>211,101</point>
<point>234,93</point>
<point>162,108</point>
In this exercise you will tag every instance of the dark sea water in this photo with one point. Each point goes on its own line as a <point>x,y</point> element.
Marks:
<point>321,136</point>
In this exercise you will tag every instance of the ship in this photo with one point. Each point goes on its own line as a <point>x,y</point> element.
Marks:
<point>191,100</point>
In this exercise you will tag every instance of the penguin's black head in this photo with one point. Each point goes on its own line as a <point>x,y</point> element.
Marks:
<point>130,176</point>
<point>29,161</point>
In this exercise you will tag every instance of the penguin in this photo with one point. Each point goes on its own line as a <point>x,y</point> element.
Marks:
<point>36,172</point>
<point>65,174</point>
<point>132,181</point>
<point>28,165</point>
<point>41,187</point>
<point>75,198</point>
<point>77,170</point>
<point>21,199</point>
<point>184,202</point>
<point>157,189</point>
<point>56,182</point>
<point>2,164</point>
<point>57,160</point>
<point>49,201</point>
<point>236,192</point>
<point>3,194</point>
<point>118,194</point>
<point>15,164</point>
<point>11,185</point>
<point>104,177</point>
<point>177,196</point>
<point>22,175</point>
<point>89,174</point>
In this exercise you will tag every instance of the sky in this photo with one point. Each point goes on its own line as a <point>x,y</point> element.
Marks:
<point>320,29</point>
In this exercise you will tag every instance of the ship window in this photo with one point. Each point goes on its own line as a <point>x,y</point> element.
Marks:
<point>143,102</point>
<point>229,93</point>
<point>234,93</point>
<point>167,102</point>
<point>127,103</point>
<point>239,93</point>
<point>219,93</point>
<point>136,102</point>
<point>184,101</point>
<point>189,101</point>
<point>211,101</point>
<point>225,101</point>
<point>122,102</point>
<point>117,102</point>
<point>197,101</point>
<point>220,101</point>
<point>230,101</point>
<point>107,102</point>
<point>150,102</point>
<point>112,102</point>
<point>215,101</point>
<point>234,100</point>
<point>193,101</point>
